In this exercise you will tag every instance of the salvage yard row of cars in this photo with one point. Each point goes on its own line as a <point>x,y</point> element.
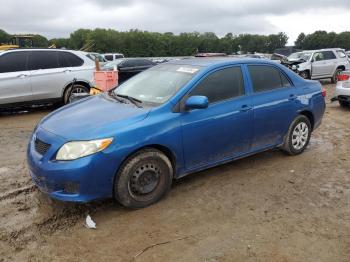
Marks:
<point>40,76</point>
<point>24,73</point>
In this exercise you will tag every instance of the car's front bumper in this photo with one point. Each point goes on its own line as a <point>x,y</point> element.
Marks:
<point>80,180</point>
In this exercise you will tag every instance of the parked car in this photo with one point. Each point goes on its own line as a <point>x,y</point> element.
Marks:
<point>99,57</point>
<point>113,56</point>
<point>169,121</point>
<point>128,67</point>
<point>278,58</point>
<point>257,56</point>
<point>321,64</point>
<point>296,59</point>
<point>210,54</point>
<point>342,92</point>
<point>30,76</point>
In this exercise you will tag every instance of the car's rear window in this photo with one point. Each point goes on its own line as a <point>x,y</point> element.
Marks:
<point>266,78</point>
<point>42,60</point>
<point>67,59</point>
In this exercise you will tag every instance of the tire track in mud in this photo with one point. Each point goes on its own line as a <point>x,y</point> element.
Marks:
<point>34,222</point>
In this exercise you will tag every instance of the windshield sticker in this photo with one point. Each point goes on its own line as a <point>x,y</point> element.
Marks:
<point>188,70</point>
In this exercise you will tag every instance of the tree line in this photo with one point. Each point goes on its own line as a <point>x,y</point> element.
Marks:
<point>323,39</point>
<point>143,43</point>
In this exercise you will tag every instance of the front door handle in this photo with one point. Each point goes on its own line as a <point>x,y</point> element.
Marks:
<point>245,108</point>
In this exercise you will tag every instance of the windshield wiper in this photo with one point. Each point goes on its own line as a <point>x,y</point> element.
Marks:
<point>112,94</point>
<point>133,100</point>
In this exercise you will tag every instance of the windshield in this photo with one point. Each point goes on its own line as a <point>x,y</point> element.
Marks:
<point>157,84</point>
<point>114,63</point>
<point>295,55</point>
<point>305,56</point>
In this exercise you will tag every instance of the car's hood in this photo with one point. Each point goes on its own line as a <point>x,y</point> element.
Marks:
<point>294,61</point>
<point>95,117</point>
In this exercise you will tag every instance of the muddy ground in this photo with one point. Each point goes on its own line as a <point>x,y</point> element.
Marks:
<point>268,207</point>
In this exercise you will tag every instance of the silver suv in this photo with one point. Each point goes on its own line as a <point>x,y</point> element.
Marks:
<point>324,63</point>
<point>43,75</point>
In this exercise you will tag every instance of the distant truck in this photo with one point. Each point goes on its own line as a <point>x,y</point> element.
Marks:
<point>112,56</point>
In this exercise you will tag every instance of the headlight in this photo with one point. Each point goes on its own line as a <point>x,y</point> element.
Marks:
<point>77,149</point>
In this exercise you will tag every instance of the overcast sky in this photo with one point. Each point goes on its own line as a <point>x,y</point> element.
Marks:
<point>58,18</point>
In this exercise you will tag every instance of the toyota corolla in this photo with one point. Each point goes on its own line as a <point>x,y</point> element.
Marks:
<point>169,121</point>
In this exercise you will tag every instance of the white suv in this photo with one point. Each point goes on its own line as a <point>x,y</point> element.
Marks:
<point>324,63</point>
<point>43,75</point>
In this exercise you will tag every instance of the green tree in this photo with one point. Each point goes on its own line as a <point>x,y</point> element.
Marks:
<point>79,38</point>
<point>4,37</point>
<point>299,43</point>
<point>40,41</point>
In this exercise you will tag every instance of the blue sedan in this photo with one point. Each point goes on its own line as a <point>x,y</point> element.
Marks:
<point>169,121</point>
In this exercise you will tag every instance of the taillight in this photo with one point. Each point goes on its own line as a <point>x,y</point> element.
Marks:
<point>324,92</point>
<point>343,77</point>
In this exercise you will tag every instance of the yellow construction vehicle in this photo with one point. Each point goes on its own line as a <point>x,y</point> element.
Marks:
<point>18,41</point>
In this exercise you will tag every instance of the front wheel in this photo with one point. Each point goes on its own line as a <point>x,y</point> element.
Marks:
<point>298,136</point>
<point>143,179</point>
<point>72,90</point>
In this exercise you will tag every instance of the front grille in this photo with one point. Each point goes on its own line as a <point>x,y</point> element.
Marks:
<point>41,147</point>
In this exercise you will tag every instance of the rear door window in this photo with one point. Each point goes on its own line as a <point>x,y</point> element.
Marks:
<point>221,85</point>
<point>265,78</point>
<point>329,55</point>
<point>67,59</point>
<point>42,60</point>
<point>13,62</point>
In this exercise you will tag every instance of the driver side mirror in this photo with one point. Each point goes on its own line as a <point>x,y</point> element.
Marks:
<point>197,102</point>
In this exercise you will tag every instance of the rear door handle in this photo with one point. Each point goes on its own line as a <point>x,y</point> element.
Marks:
<point>67,71</point>
<point>245,108</point>
<point>292,97</point>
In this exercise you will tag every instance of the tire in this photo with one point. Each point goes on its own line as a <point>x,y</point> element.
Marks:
<point>143,179</point>
<point>295,143</point>
<point>334,78</point>
<point>74,89</point>
<point>343,104</point>
<point>305,74</point>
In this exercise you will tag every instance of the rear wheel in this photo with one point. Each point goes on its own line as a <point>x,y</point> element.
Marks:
<point>143,179</point>
<point>334,79</point>
<point>343,104</point>
<point>298,136</point>
<point>72,90</point>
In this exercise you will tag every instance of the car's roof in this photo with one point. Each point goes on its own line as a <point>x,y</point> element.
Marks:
<point>205,62</point>
<point>41,49</point>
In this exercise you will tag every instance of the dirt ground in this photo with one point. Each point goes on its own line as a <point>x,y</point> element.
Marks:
<point>268,207</point>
